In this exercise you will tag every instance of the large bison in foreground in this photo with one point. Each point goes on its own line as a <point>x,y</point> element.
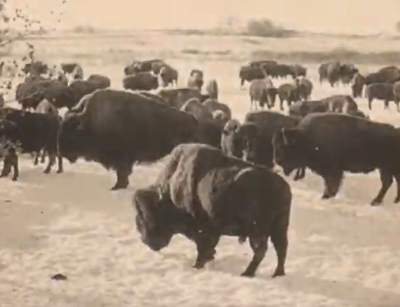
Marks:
<point>203,194</point>
<point>331,144</point>
<point>119,128</point>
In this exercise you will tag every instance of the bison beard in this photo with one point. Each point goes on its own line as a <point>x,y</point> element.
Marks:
<point>203,194</point>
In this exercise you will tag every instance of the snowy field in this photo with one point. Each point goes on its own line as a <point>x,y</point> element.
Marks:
<point>342,252</point>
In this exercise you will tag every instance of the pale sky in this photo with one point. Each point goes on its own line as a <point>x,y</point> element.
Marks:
<point>339,16</point>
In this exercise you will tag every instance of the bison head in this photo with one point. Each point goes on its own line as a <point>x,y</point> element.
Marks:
<point>230,142</point>
<point>288,149</point>
<point>153,218</point>
<point>71,140</point>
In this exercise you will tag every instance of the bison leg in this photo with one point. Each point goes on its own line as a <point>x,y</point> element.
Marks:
<point>123,173</point>
<point>386,180</point>
<point>397,177</point>
<point>6,167</point>
<point>281,103</point>
<point>14,164</point>
<point>386,104</point>
<point>396,101</point>
<point>279,239</point>
<point>370,103</point>
<point>259,245</point>
<point>332,184</point>
<point>206,243</point>
<point>43,157</point>
<point>36,158</point>
<point>52,161</point>
<point>300,174</point>
<point>60,164</point>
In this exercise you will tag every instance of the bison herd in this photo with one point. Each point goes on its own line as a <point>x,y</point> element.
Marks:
<point>219,177</point>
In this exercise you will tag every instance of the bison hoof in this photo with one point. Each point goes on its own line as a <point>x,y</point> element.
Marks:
<point>60,171</point>
<point>375,203</point>
<point>198,265</point>
<point>46,171</point>
<point>278,273</point>
<point>119,187</point>
<point>397,200</point>
<point>247,274</point>
<point>326,196</point>
<point>14,178</point>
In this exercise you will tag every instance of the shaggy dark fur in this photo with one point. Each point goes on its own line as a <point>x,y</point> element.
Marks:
<point>380,91</point>
<point>288,92</point>
<point>119,128</point>
<point>252,141</point>
<point>99,81</point>
<point>331,144</point>
<point>34,131</point>
<point>177,97</point>
<point>202,194</point>
<point>249,73</point>
<point>142,81</point>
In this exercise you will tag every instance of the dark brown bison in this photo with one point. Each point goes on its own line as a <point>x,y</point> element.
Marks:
<point>30,93</point>
<point>203,195</point>
<point>304,88</point>
<point>73,69</point>
<point>212,89</point>
<point>167,75</point>
<point>249,73</point>
<point>119,128</point>
<point>331,144</point>
<point>340,104</point>
<point>303,108</point>
<point>380,91</point>
<point>212,105</point>
<point>288,92</point>
<point>142,81</point>
<point>100,81</point>
<point>35,68</point>
<point>196,79</point>
<point>176,97</point>
<point>388,74</point>
<point>34,132</point>
<point>142,66</point>
<point>357,85</point>
<point>297,71</point>
<point>252,140</point>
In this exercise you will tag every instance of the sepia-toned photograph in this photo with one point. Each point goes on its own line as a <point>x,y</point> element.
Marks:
<point>198,153</point>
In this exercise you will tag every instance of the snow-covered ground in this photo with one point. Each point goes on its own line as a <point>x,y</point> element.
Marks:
<point>342,252</point>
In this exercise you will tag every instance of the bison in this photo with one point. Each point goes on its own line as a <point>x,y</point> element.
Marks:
<point>252,140</point>
<point>263,92</point>
<point>99,81</point>
<point>196,80</point>
<point>143,81</point>
<point>331,144</point>
<point>249,73</point>
<point>357,85</point>
<point>167,75</point>
<point>118,128</point>
<point>203,195</point>
<point>34,132</point>
<point>381,91</point>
